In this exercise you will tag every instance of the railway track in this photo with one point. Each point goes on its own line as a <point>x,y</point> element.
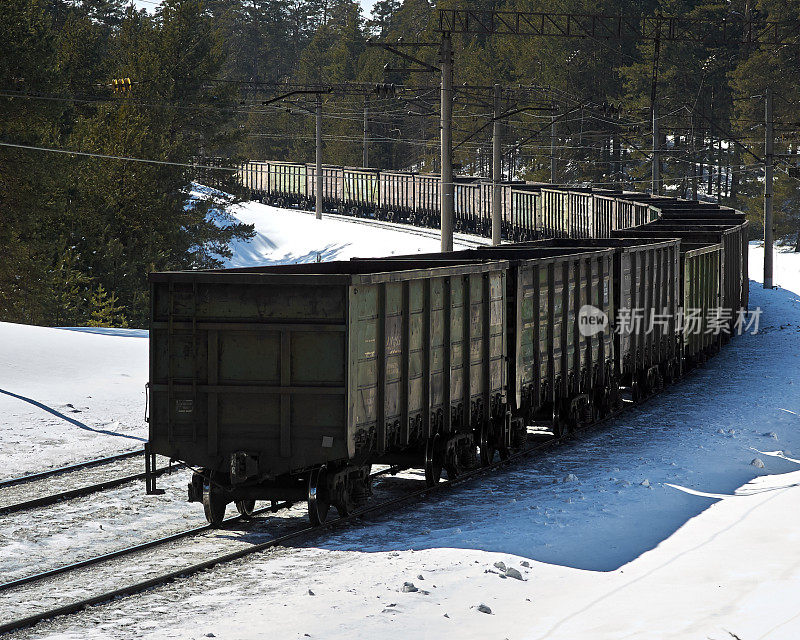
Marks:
<point>52,486</point>
<point>72,467</point>
<point>290,531</point>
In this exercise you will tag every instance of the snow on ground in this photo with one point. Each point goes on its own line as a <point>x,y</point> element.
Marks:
<point>657,526</point>
<point>69,395</point>
<point>286,236</point>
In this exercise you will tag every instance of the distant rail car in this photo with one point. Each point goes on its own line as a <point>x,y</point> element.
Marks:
<point>530,211</point>
<point>290,382</point>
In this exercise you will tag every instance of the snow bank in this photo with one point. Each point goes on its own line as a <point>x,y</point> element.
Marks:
<point>287,236</point>
<point>69,395</point>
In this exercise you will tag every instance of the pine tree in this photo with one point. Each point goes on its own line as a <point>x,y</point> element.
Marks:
<point>105,310</point>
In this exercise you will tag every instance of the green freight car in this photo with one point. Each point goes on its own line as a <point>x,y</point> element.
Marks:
<point>558,375</point>
<point>646,300</point>
<point>733,266</point>
<point>289,382</point>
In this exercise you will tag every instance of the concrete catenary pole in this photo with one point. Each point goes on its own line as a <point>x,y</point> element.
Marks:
<point>497,168</point>
<point>656,185</point>
<point>447,188</point>
<point>319,157</point>
<point>768,176</point>
<point>365,155</point>
<point>553,144</point>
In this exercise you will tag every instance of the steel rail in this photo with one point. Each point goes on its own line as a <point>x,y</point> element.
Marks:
<point>132,549</point>
<point>138,587</point>
<point>53,498</point>
<point>152,543</point>
<point>72,467</point>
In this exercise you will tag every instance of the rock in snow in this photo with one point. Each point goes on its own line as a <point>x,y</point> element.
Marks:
<point>483,608</point>
<point>408,587</point>
<point>500,565</point>
<point>511,572</point>
<point>758,463</point>
<point>525,563</point>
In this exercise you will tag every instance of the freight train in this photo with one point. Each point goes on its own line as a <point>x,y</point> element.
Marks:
<point>289,382</point>
<point>529,210</point>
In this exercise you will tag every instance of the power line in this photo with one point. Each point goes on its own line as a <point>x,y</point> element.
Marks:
<point>112,157</point>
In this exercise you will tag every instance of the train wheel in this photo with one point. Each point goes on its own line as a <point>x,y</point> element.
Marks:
<point>596,412</point>
<point>246,508</point>
<point>433,461</point>
<point>362,490</point>
<point>213,503</point>
<point>560,427</point>
<point>487,449</point>
<point>318,504</point>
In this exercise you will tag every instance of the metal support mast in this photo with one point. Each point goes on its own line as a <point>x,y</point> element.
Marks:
<point>365,158</point>
<point>768,176</point>
<point>447,187</point>
<point>553,144</point>
<point>656,184</point>
<point>319,157</point>
<point>497,168</point>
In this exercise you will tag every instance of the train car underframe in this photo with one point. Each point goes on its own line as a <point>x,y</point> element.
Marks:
<point>347,484</point>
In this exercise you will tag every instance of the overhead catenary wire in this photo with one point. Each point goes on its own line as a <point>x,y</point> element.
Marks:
<point>106,156</point>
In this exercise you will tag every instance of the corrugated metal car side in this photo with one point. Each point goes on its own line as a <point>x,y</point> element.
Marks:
<point>442,339</point>
<point>361,190</point>
<point>701,293</point>
<point>397,194</point>
<point>426,189</point>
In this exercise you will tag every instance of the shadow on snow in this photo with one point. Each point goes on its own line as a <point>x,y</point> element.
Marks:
<point>73,421</point>
<point>701,434</point>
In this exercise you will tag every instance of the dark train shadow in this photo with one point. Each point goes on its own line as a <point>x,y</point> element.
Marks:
<point>72,421</point>
<point>585,504</point>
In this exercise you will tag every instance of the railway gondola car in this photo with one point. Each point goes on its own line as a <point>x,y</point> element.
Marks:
<point>332,187</point>
<point>288,382</point>
<point>361,192</point>
<point>733,266</point>
<point>646,301</point>
<point>397,196</point>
